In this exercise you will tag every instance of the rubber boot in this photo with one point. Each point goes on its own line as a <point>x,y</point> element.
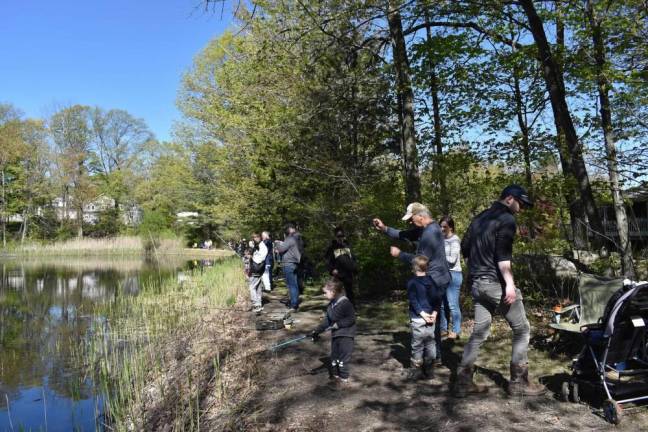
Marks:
<point>520,384</point>
<point>464,385</point>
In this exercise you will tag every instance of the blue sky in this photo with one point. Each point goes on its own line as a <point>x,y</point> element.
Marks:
<point>127,54</point>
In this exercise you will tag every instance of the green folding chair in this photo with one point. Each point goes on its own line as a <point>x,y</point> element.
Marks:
<point>593,295</point>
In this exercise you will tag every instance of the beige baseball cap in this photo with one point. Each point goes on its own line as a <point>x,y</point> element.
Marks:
<point>415,208</point>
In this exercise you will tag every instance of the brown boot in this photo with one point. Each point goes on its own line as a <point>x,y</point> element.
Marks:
<point>520,384</point>
<point>464,385</point>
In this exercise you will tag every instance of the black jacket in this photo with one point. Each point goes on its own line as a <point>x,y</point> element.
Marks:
<point>339,257</point>
<point>488,241</point>
<point>340,315</point>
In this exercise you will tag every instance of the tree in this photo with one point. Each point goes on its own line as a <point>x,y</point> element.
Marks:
<point>118,139</point>
<point>72,134</point>
<point>12,148</point>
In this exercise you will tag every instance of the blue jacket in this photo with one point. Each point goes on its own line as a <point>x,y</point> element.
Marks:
<point>423,296</point>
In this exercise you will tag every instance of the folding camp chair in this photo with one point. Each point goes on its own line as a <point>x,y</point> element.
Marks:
<point>593,295</point>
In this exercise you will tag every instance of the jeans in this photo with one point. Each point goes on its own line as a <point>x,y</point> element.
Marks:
<point>423,343</point>
<point>290,272</point>
<point>451,303</point>
<point>488,297</point>
<point>255,291</point>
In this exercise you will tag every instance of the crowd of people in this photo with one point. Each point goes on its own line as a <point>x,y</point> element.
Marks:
<point>433,292</point>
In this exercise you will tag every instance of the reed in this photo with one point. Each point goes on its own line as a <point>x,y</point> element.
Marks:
<point>128,348</point>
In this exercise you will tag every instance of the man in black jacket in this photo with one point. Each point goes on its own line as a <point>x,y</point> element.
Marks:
<point>487,248</point>
<point>341,263</point>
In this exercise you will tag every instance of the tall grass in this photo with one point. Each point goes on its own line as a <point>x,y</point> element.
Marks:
<point>128,348</point>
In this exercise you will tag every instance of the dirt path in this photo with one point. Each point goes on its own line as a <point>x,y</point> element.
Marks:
<point>290,398</point>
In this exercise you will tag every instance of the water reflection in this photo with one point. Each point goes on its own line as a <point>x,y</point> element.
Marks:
<point>44,306</point>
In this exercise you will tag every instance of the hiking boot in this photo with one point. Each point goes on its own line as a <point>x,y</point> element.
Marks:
<point>452,335</point>
<point>415,372</point>
<point>520,384</point>
<point>444,334</point>
<point>464,384</point>
<point>428,369</point>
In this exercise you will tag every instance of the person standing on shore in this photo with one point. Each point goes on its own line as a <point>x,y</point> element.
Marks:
<point>450,304</point>
<point>430,244</point>
<point>269,261</point>
<point>257,267</point>
<point>341,263</point>
<point>290,252</point>
<point>488,247</point>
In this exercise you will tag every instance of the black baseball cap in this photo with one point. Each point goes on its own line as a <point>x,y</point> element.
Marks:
<point>518,192</point>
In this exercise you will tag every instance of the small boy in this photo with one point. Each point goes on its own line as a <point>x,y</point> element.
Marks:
<point>340,318</point>
<point>424,304</point>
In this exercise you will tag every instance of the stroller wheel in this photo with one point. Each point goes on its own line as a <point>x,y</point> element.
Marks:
<point>564,391</point>
<point>612,411</point>
<point>575,397</point>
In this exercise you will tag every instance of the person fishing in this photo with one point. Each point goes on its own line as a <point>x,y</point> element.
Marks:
<point>430,244</point>
<point>291,250</point>
<point>341,319</point>
<point>487,248</point>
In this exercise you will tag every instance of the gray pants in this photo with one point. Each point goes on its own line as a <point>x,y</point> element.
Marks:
<point>488,298</point>
<point>255,291</point>
<point>423,343</point>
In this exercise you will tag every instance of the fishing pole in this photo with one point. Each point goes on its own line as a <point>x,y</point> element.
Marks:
<point>292,341</point>
<point>228,245</point>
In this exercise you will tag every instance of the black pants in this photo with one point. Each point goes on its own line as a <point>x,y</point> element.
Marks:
<point>347,281</point>
<point>341,350</point>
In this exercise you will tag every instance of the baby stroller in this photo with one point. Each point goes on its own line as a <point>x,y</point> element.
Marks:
<point>614,360</point>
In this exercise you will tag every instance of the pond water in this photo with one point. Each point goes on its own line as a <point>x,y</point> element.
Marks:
<point>46,309</point>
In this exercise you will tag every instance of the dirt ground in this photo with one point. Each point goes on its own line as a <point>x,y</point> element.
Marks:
<point>290,397</point>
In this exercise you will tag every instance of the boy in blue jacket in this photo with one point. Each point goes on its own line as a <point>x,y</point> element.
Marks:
<point>424,304</point>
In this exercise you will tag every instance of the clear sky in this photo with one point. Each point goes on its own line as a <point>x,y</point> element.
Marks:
<point>127,54</point>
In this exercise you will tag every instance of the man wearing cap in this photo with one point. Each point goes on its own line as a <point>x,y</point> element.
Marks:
<point>430,242</point>
<point>487,248</point>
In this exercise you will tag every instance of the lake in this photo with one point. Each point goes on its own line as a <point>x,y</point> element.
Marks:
<point>46,312</point>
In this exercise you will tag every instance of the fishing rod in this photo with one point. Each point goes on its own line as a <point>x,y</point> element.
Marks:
<point>288,342</point>
<point>228,245</point>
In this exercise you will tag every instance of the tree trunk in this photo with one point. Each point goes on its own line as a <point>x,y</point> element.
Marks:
<point>4,211</point>
<point>439,166</point>
<point>556,88</point>
<point>576,214</point>
<point>404,88</point>
<point>25,224</point>
<point>524,130</point>
<point>627,265</point>
<point>80,222</point>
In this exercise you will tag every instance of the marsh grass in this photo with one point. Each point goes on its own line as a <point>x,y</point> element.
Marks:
<point>134,338</point>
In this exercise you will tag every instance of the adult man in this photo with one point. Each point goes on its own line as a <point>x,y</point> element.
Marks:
<point>341,263</point>
<point>487,246</point>
<point>290,252</point>
<point>430,242</point>
<point>269,261</point>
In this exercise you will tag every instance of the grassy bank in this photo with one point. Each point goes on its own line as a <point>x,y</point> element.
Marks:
<point>116,246</point>
<point>138,349</point>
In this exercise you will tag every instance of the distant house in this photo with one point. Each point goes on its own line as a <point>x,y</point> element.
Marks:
<point>131,214</point>
<point>637,212</point>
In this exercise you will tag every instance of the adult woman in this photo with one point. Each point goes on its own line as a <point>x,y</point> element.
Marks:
<point>452,251</point>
